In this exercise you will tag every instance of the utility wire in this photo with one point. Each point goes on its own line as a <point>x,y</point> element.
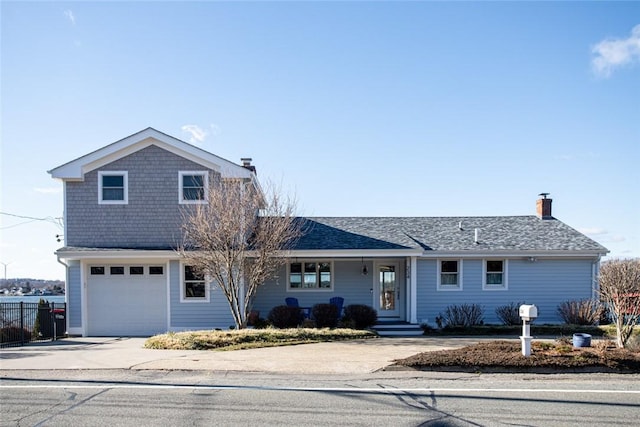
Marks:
<point>55,221</point>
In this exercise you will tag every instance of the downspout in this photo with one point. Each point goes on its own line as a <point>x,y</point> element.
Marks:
<point>66,293</point>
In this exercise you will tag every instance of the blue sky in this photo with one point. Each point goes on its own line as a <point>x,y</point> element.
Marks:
<point>357,108</point>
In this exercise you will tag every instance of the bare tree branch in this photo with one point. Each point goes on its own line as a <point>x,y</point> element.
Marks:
<point>239,239</point>
<point>619,289</point>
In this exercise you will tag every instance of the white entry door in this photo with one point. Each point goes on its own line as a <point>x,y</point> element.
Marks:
<point>387,289</point>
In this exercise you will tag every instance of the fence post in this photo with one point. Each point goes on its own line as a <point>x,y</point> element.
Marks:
<point>21,323</point>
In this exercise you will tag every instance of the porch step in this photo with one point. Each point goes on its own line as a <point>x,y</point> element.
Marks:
<point>397,329</point>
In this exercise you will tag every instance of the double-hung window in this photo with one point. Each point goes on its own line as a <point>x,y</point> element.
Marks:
<point>193,187</point>
<point>310,275</point>
<point>194,286</point>
<point>495,274</point>
<point>450,275</point>
<point>113,188</point>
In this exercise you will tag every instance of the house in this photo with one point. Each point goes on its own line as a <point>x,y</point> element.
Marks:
<point>122,217</point>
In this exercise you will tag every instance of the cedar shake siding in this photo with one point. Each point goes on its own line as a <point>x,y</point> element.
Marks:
<point>151,218</point>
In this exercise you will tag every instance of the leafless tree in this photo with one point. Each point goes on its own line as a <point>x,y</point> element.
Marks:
<point>239,239</point>
<point>619,289</point>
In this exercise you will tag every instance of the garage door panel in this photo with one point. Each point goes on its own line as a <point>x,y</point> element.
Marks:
<point>126,306</point>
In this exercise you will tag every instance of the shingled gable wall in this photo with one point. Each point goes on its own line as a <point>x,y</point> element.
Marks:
<point>152,217</point>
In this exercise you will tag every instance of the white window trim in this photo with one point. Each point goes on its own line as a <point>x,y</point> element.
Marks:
<point>505,276</point>
<point>125,183</point>
<point>449,288</point>
<point>181,200</point>
<point>187,300</point>
<point>302,261</point>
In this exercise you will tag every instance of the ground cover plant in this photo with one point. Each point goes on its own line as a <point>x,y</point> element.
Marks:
<point>546,357</point>
<point>251,338</point>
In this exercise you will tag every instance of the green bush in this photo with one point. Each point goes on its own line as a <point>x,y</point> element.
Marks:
<point>325,315</point>
<point>580,312</point>
<point>361,315</point>
<point>283,316</point>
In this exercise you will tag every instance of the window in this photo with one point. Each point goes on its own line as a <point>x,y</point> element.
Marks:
<point>194,286</point>
<point>136,270</point>
<point>113,188</point>
<point>495,275</point>
<point>156,270</point>
<point>96,271</point>
<point>116,271</point>
<point>310,275</point>
<point>449,275</point>
<point>193,187</point>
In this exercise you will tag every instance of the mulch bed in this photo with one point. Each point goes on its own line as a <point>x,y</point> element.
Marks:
<point>506,356</point>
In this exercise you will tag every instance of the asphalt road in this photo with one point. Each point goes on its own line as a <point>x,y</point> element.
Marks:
<point>194,398</point>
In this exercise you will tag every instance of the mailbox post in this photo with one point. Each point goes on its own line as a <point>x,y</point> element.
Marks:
<point>527,314</point>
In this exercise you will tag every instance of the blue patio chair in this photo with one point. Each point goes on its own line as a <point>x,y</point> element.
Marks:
<point>337,301</point>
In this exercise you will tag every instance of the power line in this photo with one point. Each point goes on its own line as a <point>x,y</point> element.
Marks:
<point>57,221</point>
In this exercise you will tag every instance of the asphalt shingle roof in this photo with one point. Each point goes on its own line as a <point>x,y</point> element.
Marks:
<point>496,233</point>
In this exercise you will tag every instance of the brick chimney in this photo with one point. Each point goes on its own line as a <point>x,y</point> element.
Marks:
<point>246,163</point>
<point>543,207</point>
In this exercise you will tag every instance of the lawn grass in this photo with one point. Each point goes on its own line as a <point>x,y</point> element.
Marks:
<point>251,338</point>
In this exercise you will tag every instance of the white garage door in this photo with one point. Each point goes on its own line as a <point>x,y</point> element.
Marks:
<point>126,300</point>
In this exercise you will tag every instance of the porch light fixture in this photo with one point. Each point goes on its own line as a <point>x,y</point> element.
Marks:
<point>364,269</point>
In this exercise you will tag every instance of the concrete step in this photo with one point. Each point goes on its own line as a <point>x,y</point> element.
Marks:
<point>397,329</point>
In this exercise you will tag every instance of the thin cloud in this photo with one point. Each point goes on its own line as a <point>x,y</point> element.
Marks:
<point>611,54</point>
<point>594,231</point>
<point>48,190</point>
<point>70,16</point>
<point>197,134</point>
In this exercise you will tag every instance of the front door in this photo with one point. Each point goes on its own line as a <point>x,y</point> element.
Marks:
<point>387,290</point>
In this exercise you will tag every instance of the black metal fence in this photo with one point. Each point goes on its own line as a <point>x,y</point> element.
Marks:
<point>23,322</point>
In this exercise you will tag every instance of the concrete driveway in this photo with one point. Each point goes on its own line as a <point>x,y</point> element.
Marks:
<point>360,356</point>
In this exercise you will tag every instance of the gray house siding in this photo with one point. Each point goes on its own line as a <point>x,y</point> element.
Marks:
<point>74,296</point>
<point>196,315</point>
<point>545,283</point>
<point>150,219</point>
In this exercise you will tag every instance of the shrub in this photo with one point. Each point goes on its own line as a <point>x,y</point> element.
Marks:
<point>13,333</point>
<point>361,315</point>
<point>509,314</point>
<point>283,316</point>
<point>580,312</point>
<point>325,315</point>
<point>463,315</point>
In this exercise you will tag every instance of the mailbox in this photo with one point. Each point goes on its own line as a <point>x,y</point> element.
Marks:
<point>528,312</point>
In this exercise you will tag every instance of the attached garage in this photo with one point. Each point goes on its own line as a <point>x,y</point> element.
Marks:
<point>126,300</point>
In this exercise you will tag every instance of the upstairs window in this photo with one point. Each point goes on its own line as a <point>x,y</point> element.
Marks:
<point>310,276</point>
<point>193,187</point>
<point>449,275</point>
<point>113,188</point>
<point>495,274</point>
